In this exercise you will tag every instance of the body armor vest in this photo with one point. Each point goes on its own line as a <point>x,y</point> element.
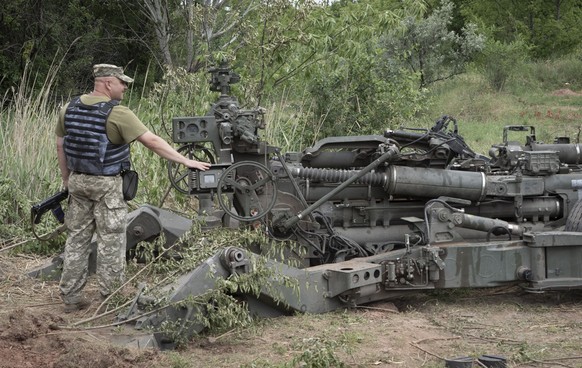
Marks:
<point>86,145</point>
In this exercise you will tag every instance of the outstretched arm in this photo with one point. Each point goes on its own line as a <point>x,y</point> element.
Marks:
<point>163,149</point>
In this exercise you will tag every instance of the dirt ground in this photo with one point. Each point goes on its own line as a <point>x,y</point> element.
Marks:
<point>565,92</point>
<point>529,330</point>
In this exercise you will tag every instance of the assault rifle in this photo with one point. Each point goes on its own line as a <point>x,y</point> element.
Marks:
<point>53,204</point>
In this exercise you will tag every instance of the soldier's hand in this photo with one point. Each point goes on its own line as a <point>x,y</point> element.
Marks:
<point>193,164</point>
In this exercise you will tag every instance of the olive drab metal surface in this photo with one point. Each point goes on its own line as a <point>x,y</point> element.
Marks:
<point>368,218</point>
<point>377,216</point>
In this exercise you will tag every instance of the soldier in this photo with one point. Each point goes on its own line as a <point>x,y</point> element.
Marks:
<point>93,136</point>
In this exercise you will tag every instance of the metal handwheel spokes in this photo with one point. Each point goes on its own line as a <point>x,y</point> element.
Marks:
<point>250,188</point>
<point>178,173</point>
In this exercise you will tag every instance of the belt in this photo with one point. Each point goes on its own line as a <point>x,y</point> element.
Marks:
<point>82,173</point>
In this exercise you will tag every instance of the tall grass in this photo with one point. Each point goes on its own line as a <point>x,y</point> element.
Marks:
<point>549,75</point>
<point>29,168</point>
<point>288,125</point>
<point>27,139</point>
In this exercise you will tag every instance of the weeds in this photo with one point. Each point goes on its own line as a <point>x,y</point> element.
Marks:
<point>318,353</point>
<point>177,361</point>
<point>310,353</point>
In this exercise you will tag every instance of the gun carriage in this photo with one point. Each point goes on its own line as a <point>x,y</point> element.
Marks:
<point>368,218</point>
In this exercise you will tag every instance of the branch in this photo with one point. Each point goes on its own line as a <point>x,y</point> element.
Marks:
<point>136,275</point>
<point>235,22</point>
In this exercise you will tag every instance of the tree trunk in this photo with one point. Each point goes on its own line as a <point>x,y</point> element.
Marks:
<point>157,12</point>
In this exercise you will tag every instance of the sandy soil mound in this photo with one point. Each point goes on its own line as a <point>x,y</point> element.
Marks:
<point>565,92</point>
<point>29,339</point>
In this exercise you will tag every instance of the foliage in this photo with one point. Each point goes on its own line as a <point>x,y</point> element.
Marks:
<point>13,210</point>
<point>15,223</point>
<point>27,154</point>
<point>34,32</point>
<point>550,28</point>
<point>193,34</point>
<point>500,60</point>
<point>279,41</point>
<point>350,90</point>
<point>276,42</point>
<point>429,48</point>
<point>318,353</point>
<point>217,309</point>
<point>549,75</point>
<point>290,124</point>
<point>29,170</point>
<point>359,98</point>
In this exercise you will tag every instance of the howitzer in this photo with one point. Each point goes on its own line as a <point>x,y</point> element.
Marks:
<point>373,217</point>
<point>367,218</point>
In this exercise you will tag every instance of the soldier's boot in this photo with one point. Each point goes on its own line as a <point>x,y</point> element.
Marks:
<point>80,304</point>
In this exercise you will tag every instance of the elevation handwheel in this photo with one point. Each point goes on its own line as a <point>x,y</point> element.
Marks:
<point>252,189</point>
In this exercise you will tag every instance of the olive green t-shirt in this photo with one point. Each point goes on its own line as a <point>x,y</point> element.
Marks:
<point>123,126</point>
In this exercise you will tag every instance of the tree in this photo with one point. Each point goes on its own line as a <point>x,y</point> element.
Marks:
<point>429,48</point>
<point>34,36</point>
<point>551,28</point>
<point>347,82</point>
<point>201,27</point>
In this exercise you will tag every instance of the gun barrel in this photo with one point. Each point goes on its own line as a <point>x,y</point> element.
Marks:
<point>409,181</point>
<point>431,183</point>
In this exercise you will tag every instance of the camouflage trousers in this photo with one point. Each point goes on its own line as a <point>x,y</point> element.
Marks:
<point>96,211</point>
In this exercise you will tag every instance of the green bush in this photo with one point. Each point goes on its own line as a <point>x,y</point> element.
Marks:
<point>549,75</point>
<point>500,60</point>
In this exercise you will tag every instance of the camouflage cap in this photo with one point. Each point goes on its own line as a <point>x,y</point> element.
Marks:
<point>109,70</point>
